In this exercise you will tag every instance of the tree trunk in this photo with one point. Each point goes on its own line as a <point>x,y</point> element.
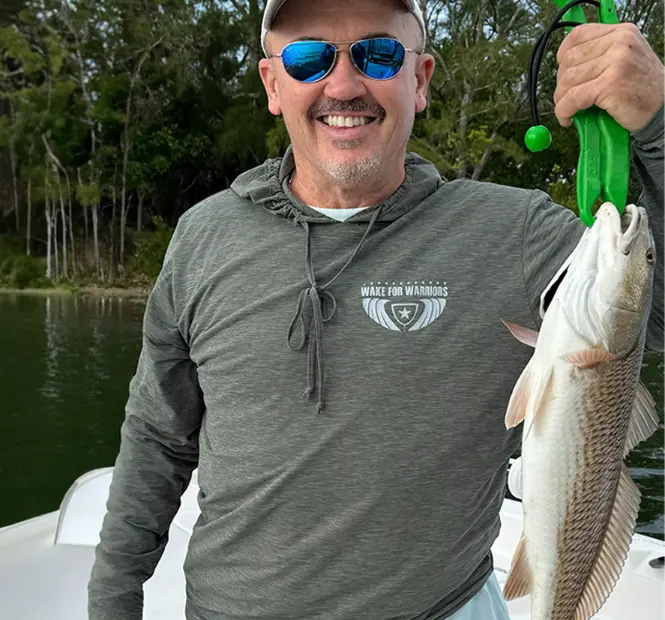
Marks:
<point>253,21</point>
<point>139,213</point>
<point>95,239</point>
<point>54,243</point>
<point>57,165</point>
<point>49,229</point>
<point>12,162</point>
<point>85,215</point>
<point>112,230</point>
<point>485,157</point>
<point>28,221</point>
<point>123,225</point>
<point>64,225</point>
<point>71,227</point>
<point>464,128</point>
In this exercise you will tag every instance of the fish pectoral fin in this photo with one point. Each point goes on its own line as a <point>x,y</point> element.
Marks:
<point>644,421</point>
<point>519,399</point>
<point>523,334</point>
<point>614,549</point>
<point>519,579</point>
<point>588,358</point>
<point>530,383</point>
<point>543,391</point>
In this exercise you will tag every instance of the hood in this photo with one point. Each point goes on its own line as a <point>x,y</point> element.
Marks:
<point>267,186</point>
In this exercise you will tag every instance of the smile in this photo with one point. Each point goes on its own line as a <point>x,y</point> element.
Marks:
<point>346,121</point>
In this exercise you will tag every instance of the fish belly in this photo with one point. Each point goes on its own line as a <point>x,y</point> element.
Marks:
<point>550,464</point>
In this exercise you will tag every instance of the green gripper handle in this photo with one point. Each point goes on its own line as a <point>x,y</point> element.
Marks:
<point>603,167</point>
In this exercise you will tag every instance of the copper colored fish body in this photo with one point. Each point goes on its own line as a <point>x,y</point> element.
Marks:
<point>583,409</point>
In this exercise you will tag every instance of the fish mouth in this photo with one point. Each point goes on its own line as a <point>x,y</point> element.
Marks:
<point>626,226</point>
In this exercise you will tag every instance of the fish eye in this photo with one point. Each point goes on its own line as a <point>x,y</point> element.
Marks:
<point>650,257</point>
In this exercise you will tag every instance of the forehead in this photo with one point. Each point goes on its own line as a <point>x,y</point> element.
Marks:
<point>343,20</point>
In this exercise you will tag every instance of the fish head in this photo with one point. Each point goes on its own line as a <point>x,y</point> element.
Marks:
<point>604,287</point>
<point>609,295</point>
<point>625,271</point>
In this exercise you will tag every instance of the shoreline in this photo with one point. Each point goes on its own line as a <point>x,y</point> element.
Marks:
<point>91,291</point>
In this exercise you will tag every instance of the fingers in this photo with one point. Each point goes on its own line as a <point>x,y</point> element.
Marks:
<point>611,66</point>
<point>586,40</point>
<point>578,97</point>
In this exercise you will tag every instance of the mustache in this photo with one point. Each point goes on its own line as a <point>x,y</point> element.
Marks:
<point>333,106</point>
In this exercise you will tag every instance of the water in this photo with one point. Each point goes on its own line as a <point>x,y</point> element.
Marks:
<point>65,367</point>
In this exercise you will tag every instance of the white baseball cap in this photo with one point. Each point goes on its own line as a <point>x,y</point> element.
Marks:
<point>273,6</point>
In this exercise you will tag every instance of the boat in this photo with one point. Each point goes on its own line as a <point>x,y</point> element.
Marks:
<point>45,561</point>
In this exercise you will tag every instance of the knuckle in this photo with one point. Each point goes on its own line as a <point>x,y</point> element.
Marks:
<point>583,97</point>
<point>629,28</point>
<point>629,35</point>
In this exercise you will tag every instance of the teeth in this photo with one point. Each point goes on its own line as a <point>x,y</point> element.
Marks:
<point>346,121</point>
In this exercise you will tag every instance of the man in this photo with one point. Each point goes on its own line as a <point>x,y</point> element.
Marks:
<point>376,496</point>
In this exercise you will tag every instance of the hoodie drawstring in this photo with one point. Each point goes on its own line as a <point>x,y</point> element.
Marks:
<point>318,295</point>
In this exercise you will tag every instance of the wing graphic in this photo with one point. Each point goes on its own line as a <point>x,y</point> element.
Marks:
<point>433,307</point>
<point>376,310</point>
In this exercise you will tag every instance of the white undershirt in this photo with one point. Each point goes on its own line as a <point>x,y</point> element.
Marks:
<point>338,214</point>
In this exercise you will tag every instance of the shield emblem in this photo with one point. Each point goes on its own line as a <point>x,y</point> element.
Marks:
<point>404,313</point>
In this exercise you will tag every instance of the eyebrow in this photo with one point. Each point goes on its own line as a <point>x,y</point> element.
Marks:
<point>371,35</point>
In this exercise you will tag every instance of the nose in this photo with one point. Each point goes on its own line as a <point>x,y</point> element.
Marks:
<point>344,82</point>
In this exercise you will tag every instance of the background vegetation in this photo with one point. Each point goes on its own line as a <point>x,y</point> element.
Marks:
<point>116,116</point>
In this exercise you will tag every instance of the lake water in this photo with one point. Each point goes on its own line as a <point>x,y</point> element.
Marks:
<point>65,367</point>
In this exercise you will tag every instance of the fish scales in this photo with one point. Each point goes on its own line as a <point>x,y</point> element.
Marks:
<point>606,408</point>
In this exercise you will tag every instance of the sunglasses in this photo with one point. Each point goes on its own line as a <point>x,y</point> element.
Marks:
<point>311,61</point>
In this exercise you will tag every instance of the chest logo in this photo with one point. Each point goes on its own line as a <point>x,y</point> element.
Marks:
<point>404,306</point>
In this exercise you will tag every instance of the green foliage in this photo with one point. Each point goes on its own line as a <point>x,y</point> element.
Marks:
<point>277,139</point>
<point>88,194</point>
<point>18,270</point>
<point>164,102</point>
<point>151,246</point>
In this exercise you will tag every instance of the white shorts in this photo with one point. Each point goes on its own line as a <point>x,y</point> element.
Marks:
<point>488,604</point>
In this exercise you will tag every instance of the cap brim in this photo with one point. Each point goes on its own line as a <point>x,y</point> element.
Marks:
<point>273,6</point>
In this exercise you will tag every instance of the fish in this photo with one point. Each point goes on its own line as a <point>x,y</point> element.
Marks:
<point>583,409</point>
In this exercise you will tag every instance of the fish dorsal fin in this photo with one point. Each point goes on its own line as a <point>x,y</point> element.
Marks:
<point>644,421</point>
<point>523,334</point>
<point>614,550</point>
<point>519,579</point>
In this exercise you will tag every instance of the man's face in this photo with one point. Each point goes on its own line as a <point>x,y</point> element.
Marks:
<point>347,155</point>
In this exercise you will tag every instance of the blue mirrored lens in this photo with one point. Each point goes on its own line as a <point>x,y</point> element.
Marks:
<point>308,61</point>
<point>379,59</point>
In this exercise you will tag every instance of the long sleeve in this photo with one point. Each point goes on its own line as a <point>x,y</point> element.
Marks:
<point>158,452</point>
<point>648,156</point>
<point>551,231</point>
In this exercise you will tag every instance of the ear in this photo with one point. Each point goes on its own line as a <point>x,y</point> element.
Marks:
<point>269,79</point>
<point>424,71</point>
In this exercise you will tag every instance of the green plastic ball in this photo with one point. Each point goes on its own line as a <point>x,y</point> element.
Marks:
<point>537,138</point>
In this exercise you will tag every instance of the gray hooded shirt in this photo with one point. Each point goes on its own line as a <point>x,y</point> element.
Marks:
<point>341,387</point>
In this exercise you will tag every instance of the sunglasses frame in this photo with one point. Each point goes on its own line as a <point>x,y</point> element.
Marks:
<point>353,62</point>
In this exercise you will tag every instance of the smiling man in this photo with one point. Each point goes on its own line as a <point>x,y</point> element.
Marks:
<point>349,270</point>
<point>349,132</point>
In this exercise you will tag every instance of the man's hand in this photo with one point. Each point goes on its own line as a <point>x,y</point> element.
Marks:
<point>613,67</point>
